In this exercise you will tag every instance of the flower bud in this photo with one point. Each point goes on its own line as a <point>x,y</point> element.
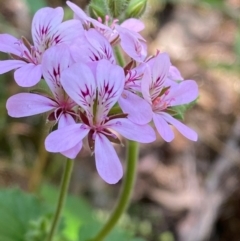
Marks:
<point>96,11</point>
<point>136,8</point>
<point>116,7</point>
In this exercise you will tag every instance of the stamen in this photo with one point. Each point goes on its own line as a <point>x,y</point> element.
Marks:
<point>109,134</point>
<point>26,43</point>
<point>107,19</point>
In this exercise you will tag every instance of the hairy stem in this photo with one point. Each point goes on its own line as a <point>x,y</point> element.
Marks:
<point>124,198</point>
<point>62,196</point>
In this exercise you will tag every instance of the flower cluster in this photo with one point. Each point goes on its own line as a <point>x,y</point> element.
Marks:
<point>90,94</point>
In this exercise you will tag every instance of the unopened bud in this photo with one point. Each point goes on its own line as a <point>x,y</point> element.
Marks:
<point>116,7</point>
<point>136,8</point>
<point>96,11</point>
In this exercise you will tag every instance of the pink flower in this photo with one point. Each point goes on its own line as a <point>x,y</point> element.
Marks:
<point>96,96</point>
<point>47,30</point>
<point>162,94</point>
<point>55,60</point>
<point>130,40</point>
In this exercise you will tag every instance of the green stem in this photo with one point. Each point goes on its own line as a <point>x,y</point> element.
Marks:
<point>39,164</point>
<point>119,56</point>
<point>62,196</point>
<point>124,199</point>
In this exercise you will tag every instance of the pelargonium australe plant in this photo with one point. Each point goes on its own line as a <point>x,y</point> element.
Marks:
<point>102,84</point>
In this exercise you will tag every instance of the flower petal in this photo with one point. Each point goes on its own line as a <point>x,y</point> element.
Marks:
<point>174,73</point>
<point>101,45</point>
<point>146,84</point>
<point>44,21</point>
<point>65,120</point>
<point>72,153</point>
<point>134,132</point>
<point>66,138</point>
<point>183,129</point>
<point>78,13</point>
<point>133,24</point>
<point>54,61</point>
<point>28,75</point>
<point>163,128</point>
<point>110,83</point>
<point>66,32</point>
<point>9,44</point>
<point>159,68</point>
<point>27,104</point>
<point>79,83</point>
<point>134,77</point>
<point>107,162</point>
<point>140,115</point>
<point>185,92</point>
<point>81,50</point>
<point>7,65</point>
<point>133,44</point>
<point>92,46</point>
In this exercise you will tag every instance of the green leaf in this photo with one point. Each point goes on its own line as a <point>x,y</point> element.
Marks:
<point>76,212</point>
<point>17,209</point>
<point>89,230</point>
<point>98,8</point>
<point>80,219</point>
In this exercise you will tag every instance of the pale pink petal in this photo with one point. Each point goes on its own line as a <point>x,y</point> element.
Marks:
<point>7,65</point>
<point>101,45</point>
<point>134,132</point>
<point>92,46</point>
<point>79,83</point>
<point>28,75</point>
<point>133,24</point>
<point>146,84</point>
<point>82,51</point>
<point>65,120</point>
<point>78,13</point>
<point>66,138</point>
<point>133,44</point>
<point>27,104</point>
<point>174,74</point>
<point>72,153</point>
<point>108,164</point>
<point>102,28</point>
<point>65,32</point>
<point>134,77</point>
<point>184,93</point>
<point>110,83</point>
<point>183,129</point>
<point>159,67</point>
<point>163,128</point>
<point>9,44</point>
<point>93,67</point>
<point>54,61</point>
<point>140,115</point>
<point>44,21</point>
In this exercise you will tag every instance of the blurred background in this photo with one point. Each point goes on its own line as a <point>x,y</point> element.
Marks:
<point>184,191</point>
